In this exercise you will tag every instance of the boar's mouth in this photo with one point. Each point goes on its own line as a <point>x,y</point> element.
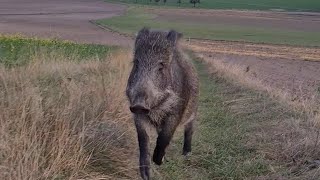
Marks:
<point>162,101</point>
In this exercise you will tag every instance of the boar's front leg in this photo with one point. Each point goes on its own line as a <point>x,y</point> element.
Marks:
<point>164,137</point>
<point>143,138</point>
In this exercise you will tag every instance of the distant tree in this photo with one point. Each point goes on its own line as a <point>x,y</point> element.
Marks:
<point>156,1</point>
<point>164,1</point>
<point>179,1</point>
<point>194,2</point>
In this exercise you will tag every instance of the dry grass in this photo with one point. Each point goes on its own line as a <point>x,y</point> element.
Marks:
<point>66,120</point>
<point>258,50</point>
<point>287,134</point>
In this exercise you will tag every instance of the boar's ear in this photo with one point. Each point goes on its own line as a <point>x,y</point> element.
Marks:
<point>143,32</point>
<point>174,36</point>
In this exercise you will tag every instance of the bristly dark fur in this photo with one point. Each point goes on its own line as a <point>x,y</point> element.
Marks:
<point>163,90</point>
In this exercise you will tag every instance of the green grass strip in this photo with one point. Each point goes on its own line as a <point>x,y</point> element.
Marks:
<point>135,19</point>
<point>18,50</point>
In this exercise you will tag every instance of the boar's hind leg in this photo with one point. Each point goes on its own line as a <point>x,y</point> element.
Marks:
<point>188,131</point>
<point>143,139</point>
<point>164,138</point>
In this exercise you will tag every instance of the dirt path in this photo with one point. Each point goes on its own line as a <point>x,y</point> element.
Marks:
<point>63,19</point>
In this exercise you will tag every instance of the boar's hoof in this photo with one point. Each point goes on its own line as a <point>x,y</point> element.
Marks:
<point>158,158</point>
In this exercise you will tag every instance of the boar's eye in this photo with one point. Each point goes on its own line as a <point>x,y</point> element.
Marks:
<point>161,66</point>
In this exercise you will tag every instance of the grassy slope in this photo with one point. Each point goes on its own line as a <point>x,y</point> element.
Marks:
<point>135,18</point>
<point>16,50</point>
<point>289,5</point>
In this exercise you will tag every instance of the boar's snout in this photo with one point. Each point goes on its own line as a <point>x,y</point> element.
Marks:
<point>139,109</point>
<point>141,96</point>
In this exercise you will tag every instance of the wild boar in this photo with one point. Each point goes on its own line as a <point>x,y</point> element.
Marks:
<point>163,91</point>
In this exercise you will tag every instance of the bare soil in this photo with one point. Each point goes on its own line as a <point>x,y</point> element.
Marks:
<point>295,70</point>
<point>62,19</point>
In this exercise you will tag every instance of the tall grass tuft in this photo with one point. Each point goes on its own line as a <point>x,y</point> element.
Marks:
<point>62,119</point>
